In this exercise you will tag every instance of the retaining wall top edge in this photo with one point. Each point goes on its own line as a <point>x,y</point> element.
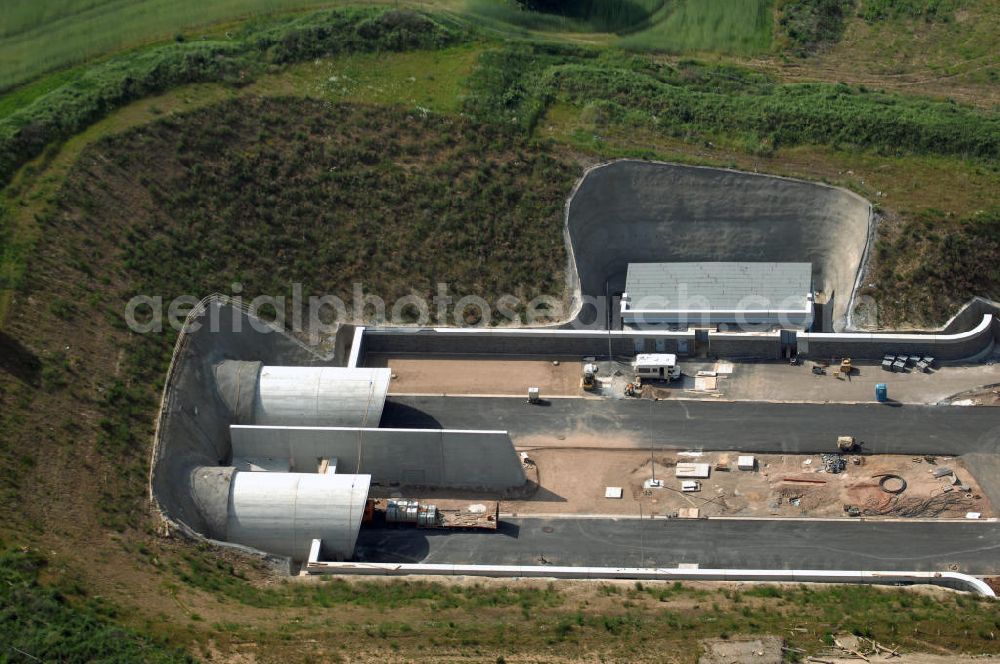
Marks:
<point>983,326</point>
<point>364,429</point>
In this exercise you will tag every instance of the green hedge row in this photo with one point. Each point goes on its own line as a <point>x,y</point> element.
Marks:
<point>791,114</point>
<point>519,82</point>
<point>68,109</point>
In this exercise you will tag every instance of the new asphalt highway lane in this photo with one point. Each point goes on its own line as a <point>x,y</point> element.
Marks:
<point>716,543</point>
<point>706,425</point>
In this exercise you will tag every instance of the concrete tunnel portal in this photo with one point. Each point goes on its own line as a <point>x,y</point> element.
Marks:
<point>273,456</point>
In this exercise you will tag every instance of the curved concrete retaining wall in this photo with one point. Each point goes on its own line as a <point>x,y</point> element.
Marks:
<point>945,347</point>
<point>632,211</point>
<point>953,580</point>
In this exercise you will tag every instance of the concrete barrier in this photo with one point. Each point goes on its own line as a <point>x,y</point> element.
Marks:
<point>945,347</point>
<point>951,580</point>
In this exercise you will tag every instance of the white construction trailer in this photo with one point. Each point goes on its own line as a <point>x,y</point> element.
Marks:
<point>656,366</point>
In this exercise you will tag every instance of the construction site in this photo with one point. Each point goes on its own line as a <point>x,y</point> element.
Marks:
<point>500,448</point>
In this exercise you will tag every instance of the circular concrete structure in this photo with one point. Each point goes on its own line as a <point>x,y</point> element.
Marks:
<point>632,211</point>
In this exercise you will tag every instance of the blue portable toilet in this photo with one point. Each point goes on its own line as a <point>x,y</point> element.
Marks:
<point>881,392</point>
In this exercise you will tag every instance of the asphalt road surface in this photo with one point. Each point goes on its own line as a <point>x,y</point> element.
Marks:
<point>705,425</point>
<point>772,544</point>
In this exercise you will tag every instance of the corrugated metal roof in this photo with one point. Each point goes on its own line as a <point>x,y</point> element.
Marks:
<point>719,286</point>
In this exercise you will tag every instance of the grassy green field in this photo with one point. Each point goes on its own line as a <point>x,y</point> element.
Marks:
<point>41,36</point>
<point>598,16</point>
<point>721,26</point>
<point>37,37</point>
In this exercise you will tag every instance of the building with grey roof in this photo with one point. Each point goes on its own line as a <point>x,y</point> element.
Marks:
<point>751,296</point>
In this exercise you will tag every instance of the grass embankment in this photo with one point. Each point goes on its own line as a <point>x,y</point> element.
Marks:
<point>729,103</point>
<point>59,622</point>
<point>566,622</point>
<point>69,109</point>
<point>393,199</point>
<point>584,16</point>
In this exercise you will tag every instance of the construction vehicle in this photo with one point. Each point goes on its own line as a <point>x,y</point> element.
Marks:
<point>589,380</point>
<point>846,444</point>
<point>451,515</point>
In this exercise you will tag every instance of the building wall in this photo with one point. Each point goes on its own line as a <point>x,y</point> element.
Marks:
<point>801,320</point>
<point>417,457</point>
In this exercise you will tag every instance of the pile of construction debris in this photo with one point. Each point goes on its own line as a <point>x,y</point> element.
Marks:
<point>855,647</point>
<point>833,463</point>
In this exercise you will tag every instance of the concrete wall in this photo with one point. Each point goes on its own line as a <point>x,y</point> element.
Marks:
<point>731,345</point>
<point>638,211</point>
<point>558,343</point>
<point>945,347</point>
<point>518,342</point>
<point>414,457</point>
<point>952,580</point>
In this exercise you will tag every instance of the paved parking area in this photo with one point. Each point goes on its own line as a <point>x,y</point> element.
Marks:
<point>778,381</point>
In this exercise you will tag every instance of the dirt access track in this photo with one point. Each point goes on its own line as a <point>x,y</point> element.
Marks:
<point>632,211</point>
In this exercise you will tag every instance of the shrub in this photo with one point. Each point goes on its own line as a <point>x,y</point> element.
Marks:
<point>810,24</point>
<point>98,90</point>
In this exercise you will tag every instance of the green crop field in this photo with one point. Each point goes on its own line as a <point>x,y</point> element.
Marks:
<point>37,36</point>
<point>726,26</point>
<point>40,36</point>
